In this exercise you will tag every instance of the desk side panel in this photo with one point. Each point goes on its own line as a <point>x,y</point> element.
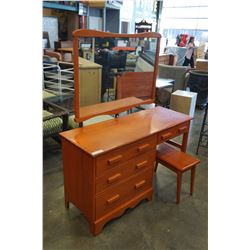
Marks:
<point>79,175</point>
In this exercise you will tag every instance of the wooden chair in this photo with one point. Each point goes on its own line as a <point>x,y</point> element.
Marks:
<point>179,162</point>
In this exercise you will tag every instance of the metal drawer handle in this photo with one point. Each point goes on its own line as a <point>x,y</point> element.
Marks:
<point>143,147</point>
<point>113,199</point>
<point>165,136</point>
<point>140,184</point>
<point>114,178</point>
<point>141,164</point>
<point>182,129</point>
<point>115,159</point>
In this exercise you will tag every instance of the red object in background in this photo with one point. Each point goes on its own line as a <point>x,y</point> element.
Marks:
<point>183,40</point>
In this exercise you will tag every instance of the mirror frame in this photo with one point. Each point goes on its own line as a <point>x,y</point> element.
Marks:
<point>81,33</point>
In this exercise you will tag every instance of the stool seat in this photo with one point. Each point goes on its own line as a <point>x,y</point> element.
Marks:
<point>174,158</point>
<point>178,162</point>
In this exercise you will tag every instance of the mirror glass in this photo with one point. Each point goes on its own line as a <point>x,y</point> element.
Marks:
<point>103,59</point>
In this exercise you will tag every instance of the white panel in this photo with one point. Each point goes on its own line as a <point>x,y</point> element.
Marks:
<point>186,12</point>
<point>167,3</point>
<point>50,24</point>
<point>95,23</point>
<point>183,102</point>
<point>184,23</point>
<point>127,10</point>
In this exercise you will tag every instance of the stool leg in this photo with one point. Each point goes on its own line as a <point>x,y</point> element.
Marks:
<point>192,180</point>
<point>178,189</point>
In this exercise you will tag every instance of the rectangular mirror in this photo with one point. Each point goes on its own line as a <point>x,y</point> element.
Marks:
<point>109,66</point>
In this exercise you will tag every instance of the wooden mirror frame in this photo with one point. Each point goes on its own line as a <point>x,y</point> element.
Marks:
<point>81,33</point>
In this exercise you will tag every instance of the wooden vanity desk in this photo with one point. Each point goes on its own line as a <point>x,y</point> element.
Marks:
<point>109,166</point>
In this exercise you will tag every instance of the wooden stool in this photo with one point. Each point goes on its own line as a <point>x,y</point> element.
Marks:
<point>179,162</point>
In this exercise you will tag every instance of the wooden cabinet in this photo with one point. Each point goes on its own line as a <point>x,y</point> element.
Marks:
<point>90,77</point>
<point>109,166</point>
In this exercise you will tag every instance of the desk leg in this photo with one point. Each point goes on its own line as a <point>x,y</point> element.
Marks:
<point>185,140</point>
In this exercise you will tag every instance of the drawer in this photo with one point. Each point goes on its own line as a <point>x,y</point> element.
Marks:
<point>119,173</point>
<point>121,155</point>
<point>123,192</point>
<point>172,132</point>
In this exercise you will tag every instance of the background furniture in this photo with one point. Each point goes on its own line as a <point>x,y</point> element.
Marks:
<point>202,64</point>
<point>52,54</point>
<point>64,52</point>
<point>164,88</point>
<point>90,77</point>
<point>178,162</point>
<point>167,59</point>
<point>180,76</point>
<point>112,61</point>
<point>198,82</point>
<point>108,167</point>
<point>179,52</point>
<point>184,102</point>
<point>66,49</point>
<point>143,26</point>
<point>56,79</point>
<point>46,39</point>
<point>177,73</point>
<point>55,119</point>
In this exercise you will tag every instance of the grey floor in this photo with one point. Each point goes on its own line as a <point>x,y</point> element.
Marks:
<point>158,224</point>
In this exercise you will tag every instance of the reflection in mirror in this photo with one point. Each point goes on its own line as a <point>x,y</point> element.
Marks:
<point>107,62</point>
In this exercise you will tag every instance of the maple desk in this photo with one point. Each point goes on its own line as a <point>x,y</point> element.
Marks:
<point>109,166</point>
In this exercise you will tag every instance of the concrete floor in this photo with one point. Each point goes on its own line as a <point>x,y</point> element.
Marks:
<point>158,224</point>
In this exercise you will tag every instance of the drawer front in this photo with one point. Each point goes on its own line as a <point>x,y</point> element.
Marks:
<point>119,156</point>
<point>123,192</point>
<point>123,171</point>
<point>172,132</point>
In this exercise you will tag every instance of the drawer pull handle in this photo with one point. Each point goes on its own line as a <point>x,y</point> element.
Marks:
<point>113,199</point>
<point>115,159</point>
<point>141,164</point>
<point>165,136</point>
<point>182,129</point>
<point>143,147</point>
<point>114,178</point>
<point>140,184</point>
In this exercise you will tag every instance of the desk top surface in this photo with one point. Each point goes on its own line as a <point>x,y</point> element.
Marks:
<point>108,135</point>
